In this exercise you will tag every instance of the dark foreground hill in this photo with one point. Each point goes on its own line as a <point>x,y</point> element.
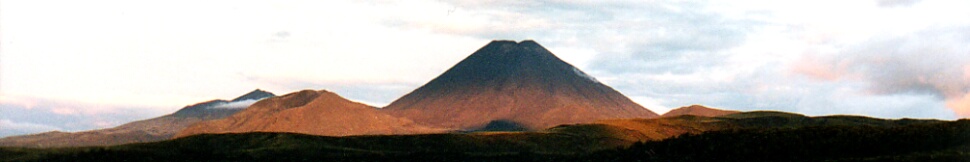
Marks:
<point>752,136</point>
<point>948,141</point>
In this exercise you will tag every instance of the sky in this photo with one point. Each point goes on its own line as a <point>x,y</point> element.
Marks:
<point>80,65</point>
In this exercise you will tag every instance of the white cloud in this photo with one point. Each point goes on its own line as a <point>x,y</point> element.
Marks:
<point>234,105</point>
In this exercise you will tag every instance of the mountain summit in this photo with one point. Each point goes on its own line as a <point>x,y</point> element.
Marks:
<point>217,109</point>
<point>518,83</point>
<point>254,95</point>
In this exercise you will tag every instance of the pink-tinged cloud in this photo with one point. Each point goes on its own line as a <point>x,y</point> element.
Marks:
<point>63,111</point>
<point>819,69</point>
<point>903,64</point>
<point>960,105</point>
<point>61,107</point>
<point>966,72</point>
<point>26,103</point>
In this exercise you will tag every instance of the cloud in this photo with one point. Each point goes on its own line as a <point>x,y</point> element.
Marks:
<point>66,115</point>
<point>930,62</point>
<point>966,72</point>
<point>746,56</point>
<point>960,105</point>
<point>628,36</point>
<point>10,128</point>
<point>235,105</point>
<point>896,3</point>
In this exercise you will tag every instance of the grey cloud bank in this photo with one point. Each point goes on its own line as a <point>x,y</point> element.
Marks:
<point>682,53</point>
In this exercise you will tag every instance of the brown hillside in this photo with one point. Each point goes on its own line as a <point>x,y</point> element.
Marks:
<point>698,110</point>
<point>310,112</point>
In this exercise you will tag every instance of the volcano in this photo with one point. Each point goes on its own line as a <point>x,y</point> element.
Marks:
<point>515,84</point>
<point>310,112</point>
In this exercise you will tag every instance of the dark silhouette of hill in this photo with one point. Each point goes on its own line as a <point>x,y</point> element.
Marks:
<point>727,139</point>
<point>937,141</point>
<point>698,110</point>
<point>521,83</point>
<point>310,112</point>
<point>149,130</point>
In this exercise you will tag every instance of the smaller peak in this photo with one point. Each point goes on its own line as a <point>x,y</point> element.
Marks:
<point>696,107</point>
<point>254,95</point>
<point>305,92</point>
<point>698,110</point>
<point>310,94</point>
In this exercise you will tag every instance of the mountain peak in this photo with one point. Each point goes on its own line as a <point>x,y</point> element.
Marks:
<point>509,47</point>
<point>520,82</point>
<point>254,95</point>
<point>503,61</point>
<point>210,109</point>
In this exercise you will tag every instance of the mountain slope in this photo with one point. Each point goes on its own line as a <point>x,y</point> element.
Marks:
<point>309,112</point>
<point>698,110</point>
<point>519,83</point>
<point>149,130</point>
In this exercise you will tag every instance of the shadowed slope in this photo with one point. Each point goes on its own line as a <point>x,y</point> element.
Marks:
<point>517,82</point>
<point>310,112</point>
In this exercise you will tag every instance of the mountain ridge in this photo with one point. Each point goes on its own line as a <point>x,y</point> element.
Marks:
<point>312,112</point>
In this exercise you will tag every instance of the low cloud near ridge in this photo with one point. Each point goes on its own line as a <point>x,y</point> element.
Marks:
<point>235,105</point>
